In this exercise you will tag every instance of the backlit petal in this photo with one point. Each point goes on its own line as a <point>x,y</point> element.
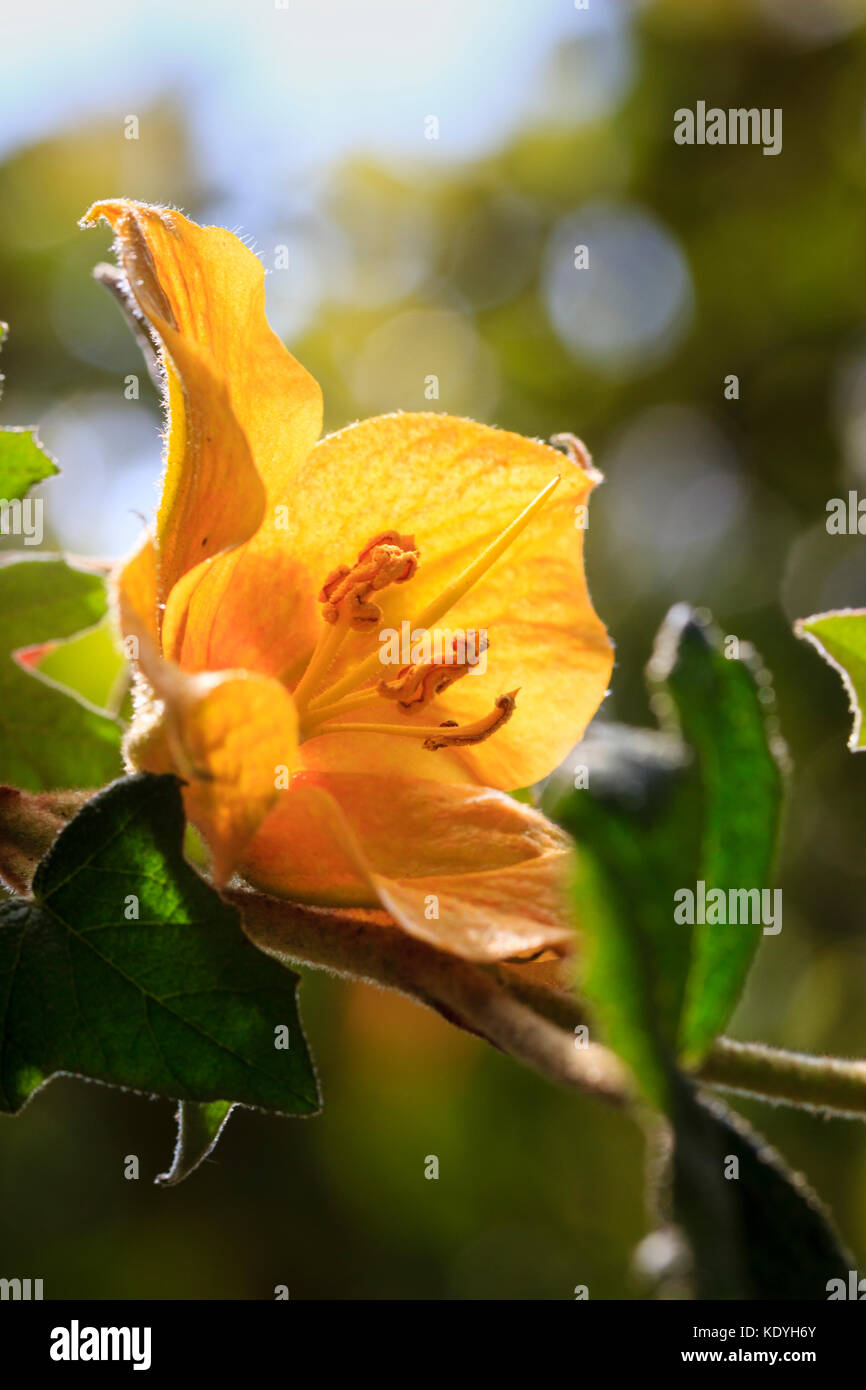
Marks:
<point>135,590</point>
<point>231,736</point>
<point>242,412</point>
<point>490,867</point>
<point>455,485</point>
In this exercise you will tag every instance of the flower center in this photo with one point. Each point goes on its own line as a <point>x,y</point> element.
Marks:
<point>348,604</point>
<point>387,559</point>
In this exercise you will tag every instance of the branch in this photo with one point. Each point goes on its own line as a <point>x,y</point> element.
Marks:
<point>532,1021</point>
<point>832,1085</point>
<point>364,945</point>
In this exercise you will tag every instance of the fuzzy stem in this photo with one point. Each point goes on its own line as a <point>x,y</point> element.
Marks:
<point>531,1021</point>
<point>832,1085</point>
<point>361,945</point>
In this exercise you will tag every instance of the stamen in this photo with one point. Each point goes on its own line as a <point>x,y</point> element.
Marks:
<point>388,558</point>
<point>324,652</point>
<point>453,735</point>
<point>366,669</point>
<point>447,735</point>
<point>416,685</point>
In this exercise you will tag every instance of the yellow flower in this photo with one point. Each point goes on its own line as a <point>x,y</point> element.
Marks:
<point>259,600</point>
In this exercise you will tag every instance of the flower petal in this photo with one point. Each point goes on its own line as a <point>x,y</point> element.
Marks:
<point>242,412</point>
<point>228,734</point>
<point>135,590</point>
<point>492,869</point>
<point>386,756</point>
<point>218,615</point>
<point>455,485</point>
<point>489,915</point>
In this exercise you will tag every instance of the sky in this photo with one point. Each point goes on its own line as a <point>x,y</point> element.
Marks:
<point>271,85</point>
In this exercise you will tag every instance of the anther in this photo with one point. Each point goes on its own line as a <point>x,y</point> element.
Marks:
<point>453,735</point>
<point>388,558</point>
<point>415,686</point>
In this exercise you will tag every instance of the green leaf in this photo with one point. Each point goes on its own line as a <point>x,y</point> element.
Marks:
<point>661,812</point>
<point>755,1229</point>
<point>198,1130</point>
<point>174,1002</point>
<point>48,737</point>
<point>90,664</point>
<point>840,637</point>
<point>23,463</point>
<point>635,824</point>
<point>722,716</point>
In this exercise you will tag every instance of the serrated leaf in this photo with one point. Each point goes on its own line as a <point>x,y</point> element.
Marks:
<point>49,738</point>
<point>23,463</point>
<point>175,1002</point>
<point>662,812</point>
<point>634,824</point>
<point>840,637</point>
<point>723,720</point>
<point>23,460</point>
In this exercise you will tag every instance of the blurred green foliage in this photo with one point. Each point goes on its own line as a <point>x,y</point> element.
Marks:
<point>445,269</point>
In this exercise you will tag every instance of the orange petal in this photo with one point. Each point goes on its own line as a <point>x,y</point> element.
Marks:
<point>454,485</point>
<point>487,915</point>
<point>491,868</point>
<point>384,755</point>
<point>253,608</point>
<point>232,737</point>
<point>135,590</point>
<point>242,412</point>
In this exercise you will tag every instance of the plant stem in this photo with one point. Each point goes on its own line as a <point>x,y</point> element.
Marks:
<point>533,1022</point>
<point>832,1085</point>
<point>530,1020</point>
<point>366,946</point>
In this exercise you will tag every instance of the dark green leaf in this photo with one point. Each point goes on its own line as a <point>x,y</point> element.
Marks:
<point>634,824</point>
<point>662,812</point>
<point>48,737</point>
<point>174,1002</point>
<point>723,718</point>
<point>756,1230</point>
